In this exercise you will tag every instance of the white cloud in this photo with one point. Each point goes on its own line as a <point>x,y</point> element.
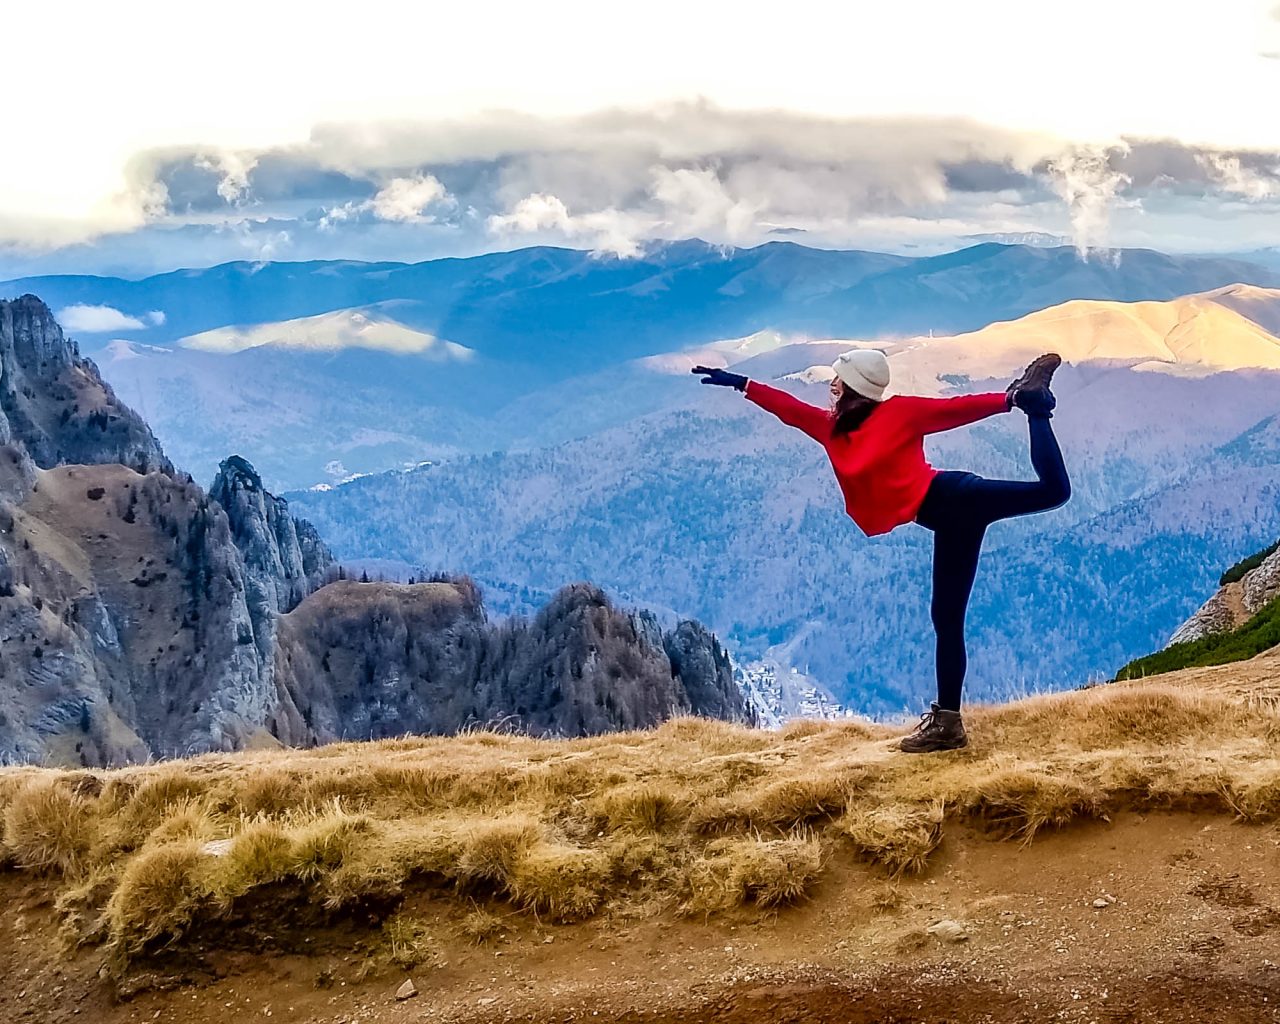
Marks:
<point>94,319</point>
<point>697,202</point>
<point>1088,184</point>
<point>538,212</point>
<point>233,170</point>
<point>72,162</point>
<point>608,232</point>
<point>267,247</point>
<point>400,201</point>
<point>407,199</point>
<point>157,317</point>
<point>1243,181</point>
<point>623,176</point>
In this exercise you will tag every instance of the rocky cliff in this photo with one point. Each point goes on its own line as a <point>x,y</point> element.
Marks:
<point>54,402</point>
<point>371,660</point>
<point>126,627</point>
<point>127,608</point>
<point>1241,596</point>
<point>284,558</point>
<point>141,617</point>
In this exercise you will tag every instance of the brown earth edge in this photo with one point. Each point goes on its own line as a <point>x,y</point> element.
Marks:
<point>1186,927</point>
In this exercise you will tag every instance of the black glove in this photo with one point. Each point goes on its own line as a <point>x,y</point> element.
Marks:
<point>721,377</point>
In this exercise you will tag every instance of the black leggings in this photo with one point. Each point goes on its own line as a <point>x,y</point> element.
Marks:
<point>958,509</point>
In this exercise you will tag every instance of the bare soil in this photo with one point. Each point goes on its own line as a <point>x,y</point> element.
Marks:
<point>1187,928</point>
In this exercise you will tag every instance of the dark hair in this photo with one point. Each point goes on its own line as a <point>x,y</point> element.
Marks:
<point>852,410</point>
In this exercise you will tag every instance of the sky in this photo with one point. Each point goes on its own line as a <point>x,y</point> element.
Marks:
<point>142,136</point>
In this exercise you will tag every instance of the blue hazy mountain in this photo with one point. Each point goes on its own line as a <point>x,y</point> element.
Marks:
<point>531,322</point>
<point>549,391</point>
<point>703,505</point>
<point>712,509</point>
<point>557,310</point>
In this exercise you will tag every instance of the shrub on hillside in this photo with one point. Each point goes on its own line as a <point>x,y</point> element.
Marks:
<point>1247,565</point>
<point>1260,633</point>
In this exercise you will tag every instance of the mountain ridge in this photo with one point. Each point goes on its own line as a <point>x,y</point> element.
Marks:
<point>859,290</point>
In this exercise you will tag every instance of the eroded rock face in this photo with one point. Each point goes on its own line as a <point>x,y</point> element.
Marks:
<point>284,556</point>
<point>284,559</point>
<point>371,660</point>
<point>126,626</point>
<point>704,669</point>
<point>1262,585</point>
<point>1233,604</point>
<point>54,402</point>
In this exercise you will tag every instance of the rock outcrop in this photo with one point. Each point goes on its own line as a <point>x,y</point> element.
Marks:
<point>371,660</point>
<point>55,403</point>
<point>706,673</point>
<point>1234,603</point>
<point>284,558</point>
<point>126,626</point>
<point>368,660</point>
<point>142,617</point>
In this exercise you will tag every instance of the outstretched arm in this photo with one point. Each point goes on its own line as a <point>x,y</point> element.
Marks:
<point>930,415</point>
<point>794,413</point>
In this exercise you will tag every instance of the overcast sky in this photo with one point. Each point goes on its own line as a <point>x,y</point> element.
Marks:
<point>139,137</point>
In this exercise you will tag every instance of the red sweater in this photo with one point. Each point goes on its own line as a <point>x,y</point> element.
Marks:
<point>881,466</point>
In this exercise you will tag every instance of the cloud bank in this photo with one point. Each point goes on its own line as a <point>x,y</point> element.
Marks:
<point>614,180</point>
<point>95,319</point>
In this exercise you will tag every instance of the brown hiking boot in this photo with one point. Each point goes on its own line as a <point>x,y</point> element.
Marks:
<point>938,730</point>
<point>1035,377</point>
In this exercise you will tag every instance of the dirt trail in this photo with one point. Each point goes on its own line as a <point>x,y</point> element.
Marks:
<point>1186,928</point>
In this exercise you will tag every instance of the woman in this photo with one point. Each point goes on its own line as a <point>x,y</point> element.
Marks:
<point>876,447</point>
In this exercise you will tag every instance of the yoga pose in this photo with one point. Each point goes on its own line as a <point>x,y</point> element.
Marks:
<point>876,447</point>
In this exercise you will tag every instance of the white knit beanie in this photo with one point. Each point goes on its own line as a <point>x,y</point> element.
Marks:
<point>866,370</point>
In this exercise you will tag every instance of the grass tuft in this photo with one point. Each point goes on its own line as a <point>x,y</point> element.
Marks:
<point>492,850</point>
<point>481,926</point>
<point>409,942</point>
<point>1018,802</point>
<point>48,827</point>
<point>160,893</point>
<point>898,837</point>
<point>766,872</point>
<point>778,805</point>
<point>643,807</point>
<point>564,882</point>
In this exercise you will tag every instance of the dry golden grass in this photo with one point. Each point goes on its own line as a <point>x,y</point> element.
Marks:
<point>766,872</point>
<point>694,817</point>
<point>898,836</point>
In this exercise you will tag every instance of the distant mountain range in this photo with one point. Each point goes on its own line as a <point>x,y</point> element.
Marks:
<point>321,370</point>
<point>545,303</point>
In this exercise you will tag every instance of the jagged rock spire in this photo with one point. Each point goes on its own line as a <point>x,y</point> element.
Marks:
<point>54,402</point>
